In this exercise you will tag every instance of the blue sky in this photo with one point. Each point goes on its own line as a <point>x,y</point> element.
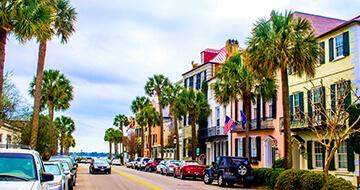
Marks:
<point>119,44</point>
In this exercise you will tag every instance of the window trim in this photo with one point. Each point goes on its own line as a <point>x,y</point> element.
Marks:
<point>335,46</point>
<point>314,156</point>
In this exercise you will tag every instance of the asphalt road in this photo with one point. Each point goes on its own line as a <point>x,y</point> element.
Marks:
<point>128,179</point>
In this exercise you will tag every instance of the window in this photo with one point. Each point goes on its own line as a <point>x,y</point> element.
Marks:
<point>185,82</point>
<point>217,111</point>
<point>198,81</point>
<point>317,102</point>
<point>8,139</point>
<point>342,156</point>
<point>191,82</point>
<point>240,147</point>
<point>297,109</point>
<point>253,147</point>
<point>255,111</point>
<point>270,108</point>
<point>322,53</point>
<point>318,155</point>
<point>339,42</point>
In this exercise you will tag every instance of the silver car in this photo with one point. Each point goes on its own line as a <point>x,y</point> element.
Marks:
<point>170,166</point>
<point>60,181</point>
<point>161,167</point>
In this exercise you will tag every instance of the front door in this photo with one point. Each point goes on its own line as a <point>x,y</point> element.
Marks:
<point>268,153</point>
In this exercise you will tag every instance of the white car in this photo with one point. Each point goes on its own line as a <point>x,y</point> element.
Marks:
<point>61,178</point>
<point>130,164</point>
<point>116,162</point>
<point>23,169</point>
<point>143,163</point>
<point>160,168</point>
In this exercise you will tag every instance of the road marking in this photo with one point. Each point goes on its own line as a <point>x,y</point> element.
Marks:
<point>138,180</point>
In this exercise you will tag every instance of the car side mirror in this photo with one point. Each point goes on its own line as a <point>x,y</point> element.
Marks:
<point>47,177</point>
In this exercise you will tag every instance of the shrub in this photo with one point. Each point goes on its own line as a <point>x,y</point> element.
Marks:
<point>279,163</point>
<point>311,181</point>
<point>290,179</point>
<point>334,183</point>
<point>266,176</point>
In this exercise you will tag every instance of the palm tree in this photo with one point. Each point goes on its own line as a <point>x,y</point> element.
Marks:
<point>109,137</point>
<point>57,91</point>
<point>283,43</point>
<point>117,138</point>
<point>61,24</point>
<point>194,104</point>
<point>69,142</point>
<point>121,121</point>
<point>234,80</point>
<point>154,87</point>
<point>65,126</point>
<point>137,105</point>
<point>171,95</point>
<point>152,118</point>
<point>19,18</point>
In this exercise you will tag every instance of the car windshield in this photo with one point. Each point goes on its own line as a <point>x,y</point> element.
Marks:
<point>236,161</point>
<point>17,167</point>
<point>61,158</point>
<point>52,168</point>
<point>192,163</point>
<point>174,162</point>
<point>100,162</point>
<point>65,165</point>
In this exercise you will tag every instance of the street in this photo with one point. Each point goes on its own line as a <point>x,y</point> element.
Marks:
<point>129,179</point>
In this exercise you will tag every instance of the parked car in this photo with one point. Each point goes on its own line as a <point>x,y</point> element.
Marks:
<point>143,163</point>
<point>130,164</point>
<point>151,165</point>
<point>137,160</point>
<point>170,166</point>
<point>72,165</point>
<point>70,175</point>
<point>161,166</point>
<point>99,166</point>
<point>189,169</point>
<point>115,161</point>
<point>61,179</point>
<point>229,170</point>
<point>22,169</point>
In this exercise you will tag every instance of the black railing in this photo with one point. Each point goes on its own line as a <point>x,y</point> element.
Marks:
<point>211,132</point>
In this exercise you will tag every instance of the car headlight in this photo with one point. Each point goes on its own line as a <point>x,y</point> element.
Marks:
<point>96,167</point>
<point>108,166</point>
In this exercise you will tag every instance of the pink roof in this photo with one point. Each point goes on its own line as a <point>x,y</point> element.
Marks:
<point>211,50</point>
<point>356,19</point>
<point>321,24</point>
<point>220,57</point>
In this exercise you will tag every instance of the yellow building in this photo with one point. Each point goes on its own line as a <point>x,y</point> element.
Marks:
<point>8,133</point>
<point>338,66</point>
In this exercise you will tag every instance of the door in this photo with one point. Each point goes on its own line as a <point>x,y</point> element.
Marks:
<point>268,153</point>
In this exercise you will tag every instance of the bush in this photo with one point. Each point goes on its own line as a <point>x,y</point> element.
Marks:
<point>266,176</point>
<point>279,163</point>
<point>290,179</point>
<point>334,183</point>
<point>311,181</point>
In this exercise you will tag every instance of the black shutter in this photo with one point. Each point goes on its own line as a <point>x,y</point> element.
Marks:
<point>331,49</point>
<point>274,107</point>
<point>227,148</point>
<point>333,97</point>
<point>236,110</point>
<point>236,147</point>
<point>184,120</point>
<point>332,163</point>
<point>322,53</point>
<point>215,144</point>
<point>258,148</point>
<point>310,110</point>
<point>291,101</point>
<point>309,154</point>
<point>350,156</point>
<point>323,101</point>
<point>346,45</point>
<point>258,112</point>
<point>263,109</point>
<point>301,102</point>
<point>243,146</point>
<point>250,147</point>
<point>185,83</point>
<point>347,100</point>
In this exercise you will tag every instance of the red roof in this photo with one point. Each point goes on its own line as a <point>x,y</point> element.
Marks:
<point>220,57</point>
<point>211,50</point>
<point>321,24</point>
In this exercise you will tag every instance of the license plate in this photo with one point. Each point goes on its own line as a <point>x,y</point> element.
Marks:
<point>102,169</point>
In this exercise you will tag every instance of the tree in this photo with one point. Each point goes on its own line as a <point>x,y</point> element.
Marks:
<point>69,142</point>
<point>155,87</point>
<point>283,43</point>
<point>193,104</point>
<point>234,80</point>
<point>109,137</point>
<point>56,91</point>
<point>137,105</point>
<point>117,138</point>
<point>121,121</point>
<point>152,118</point>
<point>61,24</point>
<point>133,144</point>
<point>65,126</point>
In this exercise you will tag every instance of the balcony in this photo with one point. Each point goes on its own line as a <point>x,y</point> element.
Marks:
<point>264,124</point>
<point>215,131</point>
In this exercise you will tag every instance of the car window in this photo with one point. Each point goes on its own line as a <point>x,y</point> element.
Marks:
<point>65,165</point>
<point>192,163</point>
<point>218,161</point>
<point>52,168</point>
<point>17,167</point>
<point>236,161</point>
<point>146,160</point>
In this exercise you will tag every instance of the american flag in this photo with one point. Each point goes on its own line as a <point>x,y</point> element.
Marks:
<point>229,124</point>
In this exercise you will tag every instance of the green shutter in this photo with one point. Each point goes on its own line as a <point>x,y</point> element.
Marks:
<point>301,102</point>
<point>333,97</point>
<point>332,163</point>
<point>331,49</point>
<point>310,110</point>
<point>236,147</point>
<point>346,45</point>
<point>258,148</point>
<point>291,101</point>
<point>322,53</point>
<point>309,154</point>
<point>323,101</point>
<point>274,107</point>
<point>258,112</point>
<point>347,100</point>
<point>250,147</point>
<point>350,156</point>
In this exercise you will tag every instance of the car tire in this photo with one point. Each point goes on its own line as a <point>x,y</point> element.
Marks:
<point>242,170</point>
<point>175,176</point>
<point>231,184</point>
<point>221,181</point>
<point>207,179</point>
<point>182,177</point>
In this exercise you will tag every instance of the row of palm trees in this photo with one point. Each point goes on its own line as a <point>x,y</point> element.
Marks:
<point>40,20</point>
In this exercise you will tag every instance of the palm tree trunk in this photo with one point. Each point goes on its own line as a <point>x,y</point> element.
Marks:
<point>142,141</point>
<point>3,35</point>
<point>247,110</point>
<point>110,151</point>
<point>62,144</point>
<point>37,97</point>
<point>161,130</point>
<point>193,137</point>
<point>149,141</point>
<point>177,154</point>
<point>286,112</point>
<point>51,110</point>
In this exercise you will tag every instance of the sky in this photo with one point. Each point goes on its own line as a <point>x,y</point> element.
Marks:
<point>119,44</point>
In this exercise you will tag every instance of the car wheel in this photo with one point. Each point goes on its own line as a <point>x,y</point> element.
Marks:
<point>242,170</point>
<point>207,179</point>
<point>175,176</point>
<point>221,181</point>
<point>182,175</point>
<point>231,184</point>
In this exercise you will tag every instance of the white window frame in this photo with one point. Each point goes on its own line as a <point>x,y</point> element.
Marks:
<point>253,147</point>
<point>240,147</point>
<point>270,110</point>
<point>217,115</point>
<point>340,45</point>
<point>319,154</point>
<point>297,113</point>
<point>337,159</point>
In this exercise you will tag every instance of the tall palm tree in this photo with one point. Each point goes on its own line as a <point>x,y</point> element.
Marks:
<point>152,118</point>
<point>121,121</point>
<point>61,24</point>
<point>56,91</point>
<point>137,105</point>
<point>234,80</point>
<point>69,142</point>
<point>154,87</point>
<point>171,95</point>
<point>20,18</point>
<point>109,137</point>
<point>283,43</point>
<point>194,104</point>
<point>65,126</point>
<point>117,138</point>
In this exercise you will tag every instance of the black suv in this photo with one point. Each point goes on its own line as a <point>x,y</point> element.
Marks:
<point>229,170</point>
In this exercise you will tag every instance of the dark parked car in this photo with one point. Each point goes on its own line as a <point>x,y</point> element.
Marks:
<point>151,165</point>
<point>99,166</point>
<point>229,170</point>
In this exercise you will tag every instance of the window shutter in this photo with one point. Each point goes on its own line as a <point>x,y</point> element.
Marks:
<point>236,147</point>
<point>258,148</point>
<point>215,144</point>
<point>310,110</point>
<point>227,148</point>
<point>333,97</point>
<point>263,109</point>
<point>205,75</point>
<point>322,53</point>
<point>346,45</point>
<point>309,154</point>
<point>331,49</point>
<point>243,147</point>
<point>184,120</point>
<point>185,83</point>
<point>332,163</point>
<point>350,156</point>
<point>274,107</point>
<point>323,101</point>
<point>236,110</point>
<point>291,100</point>
<point>250,147</point>
<point>347,100</point>
<point>258,112</point>
<point>301,102</point>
